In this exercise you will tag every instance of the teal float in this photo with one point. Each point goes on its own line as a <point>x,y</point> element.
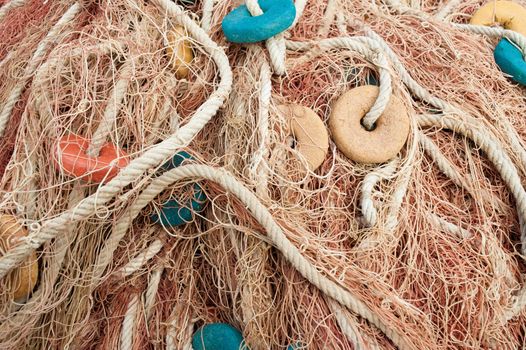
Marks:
<point>221,336</point>
<point>176,161</point>
<point>172,213</point>
<point>240,27</point>
<point>510,60</point>
<point>218,336</point>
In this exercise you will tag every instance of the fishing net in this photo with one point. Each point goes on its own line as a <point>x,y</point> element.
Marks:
<point>421,251</point>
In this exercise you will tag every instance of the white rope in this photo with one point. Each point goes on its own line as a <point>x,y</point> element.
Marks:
<point>9,6</point>
<point>259,172</point>
<point>446,9</point>
<point>369,182</point>
<point>422,93</point>
<point>150,159</point>
<point>7,108</point>
<point>182,313</point>
<point>9,56</point>
<point>141,259</point>
<point>274,232</point>
<point>300,7</point>
<point>448,169</point>
<point>403,8</point>
<point>276,44</point>
<point>495,32</point>
<point>442,162</point>
<point>328,17</point>
<point>372,52</point>
<point>171,335</point>
<point>518,305</point>
<point>151,292</point>
<point>413,86</point>
<point>391,221</point>
<point>448,226</point>
<point>350,332</point>
<point>206,21</point>
<point>128,324</point>
<point>341,23</point>
<point>494,147</point>
<point>516,37</point>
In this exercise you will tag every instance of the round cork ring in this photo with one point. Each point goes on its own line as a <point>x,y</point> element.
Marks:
<point>508,14</point>
<point>363,146</point>
<point>312,138</point>
<point>22,279</point>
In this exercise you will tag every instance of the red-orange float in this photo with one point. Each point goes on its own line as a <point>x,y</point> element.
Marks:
<point>72,159</point>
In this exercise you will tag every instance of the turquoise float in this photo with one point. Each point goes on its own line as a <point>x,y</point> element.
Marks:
<point>218,336</point>
<point>240,27</point>
<point>510,60</point>
<point>221,336</point>
<point>172,214</point>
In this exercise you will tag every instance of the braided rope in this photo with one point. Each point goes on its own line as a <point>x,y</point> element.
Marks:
<point>206,20</point>
<point>350,332</point>
<point>493,149</point>
<point>259,172</point>
<point>447,168</point>
<point>508,172</point>
<point>448,226</point>
<point>328,17</point>
<point>276,44</point>
<point>495,32</point>
<point>151,291</point>
<point>128,324</point>
<point>442,162</point>
<point>141,259</point>
<point>516,38</point>
<point>369,182</point>
<point>171,334</point>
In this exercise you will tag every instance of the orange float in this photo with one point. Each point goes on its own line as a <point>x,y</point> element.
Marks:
<point>71,158</point>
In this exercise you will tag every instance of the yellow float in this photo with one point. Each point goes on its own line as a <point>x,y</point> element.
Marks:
<point>23,279</point>
<point>508,14</point>
<point>180,51</point>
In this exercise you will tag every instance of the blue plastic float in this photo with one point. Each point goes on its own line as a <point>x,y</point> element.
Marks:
<point>240,27</point>
<point>172,213</point>
<point>221,336</point>
<point>510,60</point>
<point>218,336</point>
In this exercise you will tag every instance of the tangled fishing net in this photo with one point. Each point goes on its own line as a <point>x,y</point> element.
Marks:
<point>423,251</point>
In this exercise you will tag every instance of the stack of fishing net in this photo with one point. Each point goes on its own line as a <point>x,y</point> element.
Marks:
<point>164,186</point>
